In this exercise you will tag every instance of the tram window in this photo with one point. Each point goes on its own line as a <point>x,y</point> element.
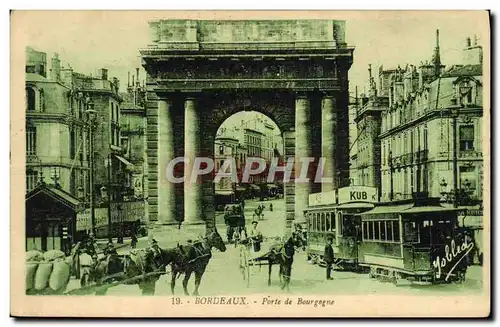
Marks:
<point>395,230</point>
<point>383,230</point>
<point>327,222</point>
<point>323,224</point>
<point>389,230</point>
<point>333,224</point>
<point>370,230</point>
<point>376,235</point>
<point>315,222</point>
<point>410,230</point>
<point>365,230</point>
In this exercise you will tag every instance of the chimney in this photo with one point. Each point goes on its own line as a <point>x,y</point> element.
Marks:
<point>128,80</point>
<point>467,42</point>
<point>133,80</point>
<point>104,73</point>
<point>55,72</point>
<point>137,74</point>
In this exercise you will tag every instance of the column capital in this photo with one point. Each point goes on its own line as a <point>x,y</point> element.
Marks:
<point>328,94</point>
<point>301,95</point>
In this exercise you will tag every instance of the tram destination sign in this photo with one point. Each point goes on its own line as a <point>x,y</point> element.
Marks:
<point>358,194</point>
<point>322,198</point>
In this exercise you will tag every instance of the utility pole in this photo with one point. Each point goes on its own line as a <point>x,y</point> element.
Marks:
<point>391,194</point>
<point>91,119</point>
<point>454,115</point>
<point>110,194</point>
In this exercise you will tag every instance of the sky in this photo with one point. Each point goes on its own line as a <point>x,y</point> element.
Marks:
<point>99,39</point>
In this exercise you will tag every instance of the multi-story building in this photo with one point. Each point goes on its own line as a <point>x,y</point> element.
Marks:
<point>56,129</point>
<point>431,132</point>
<point>111,177</point>
<point>226,147</point>
<point>133,136</point>
<point>368,129</point>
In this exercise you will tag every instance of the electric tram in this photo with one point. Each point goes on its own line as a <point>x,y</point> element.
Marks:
<point>418,241</point>
<point>334,214</point>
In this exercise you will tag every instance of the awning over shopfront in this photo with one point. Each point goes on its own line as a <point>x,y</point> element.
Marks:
<point>127,163</point>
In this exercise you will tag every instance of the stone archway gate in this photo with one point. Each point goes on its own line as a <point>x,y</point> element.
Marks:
<point>200,72</point>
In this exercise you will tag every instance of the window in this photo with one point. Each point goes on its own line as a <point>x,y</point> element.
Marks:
<point>31,179</point>
<point>72,141</point>
<point>465,90</point>
<point>383,231</point>
<point>389,234</point>
<point>333,225</point>
<point>466,138</point>
<point>42,101</point>
<point>395,230</point>
<point>376,232</point>
<point>323,224</point>
<point>30,140</point>
<point>31,69</point>
<point>30,99</point>
<point>365,230</point>
<point>327,222</point>
<point>370,230</point>
<point>411,232</point>
<point>221,149</point>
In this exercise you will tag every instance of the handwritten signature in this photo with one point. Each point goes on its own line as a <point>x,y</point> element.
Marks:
<point>450,255</point>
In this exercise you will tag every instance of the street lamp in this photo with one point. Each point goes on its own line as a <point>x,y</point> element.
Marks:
<point>91,114</point>
<point>443,192</point>
<point>454,116</point>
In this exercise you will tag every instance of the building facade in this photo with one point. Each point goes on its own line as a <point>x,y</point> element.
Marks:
<point>431,132</point>
<point>56,129</point>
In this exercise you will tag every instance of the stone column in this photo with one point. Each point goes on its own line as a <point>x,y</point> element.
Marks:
<point>193,191</point>
<point>166,189</point>
<point>329,141</point>
<point>303,149</point>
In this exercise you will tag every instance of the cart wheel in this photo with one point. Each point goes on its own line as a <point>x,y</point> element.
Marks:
<point>244,267</point>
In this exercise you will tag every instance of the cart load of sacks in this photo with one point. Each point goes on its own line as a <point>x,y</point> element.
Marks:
<point>47,272</point>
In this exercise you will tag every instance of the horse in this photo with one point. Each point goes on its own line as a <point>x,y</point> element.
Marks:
<point>194,258</point>
<point>282,254</point>
<point>141,267</point>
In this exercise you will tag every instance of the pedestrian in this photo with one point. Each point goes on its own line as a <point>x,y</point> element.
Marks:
<point>328,257</point>
<point>271,207</point>
<point>255,236</point>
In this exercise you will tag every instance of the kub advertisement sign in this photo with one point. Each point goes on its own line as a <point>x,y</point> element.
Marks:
<point>358,194</point>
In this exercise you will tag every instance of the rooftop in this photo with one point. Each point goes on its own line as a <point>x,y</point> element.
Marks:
<point>468,70</point>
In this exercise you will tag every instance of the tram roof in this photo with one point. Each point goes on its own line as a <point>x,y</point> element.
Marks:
<point>349,205</point>
<point>407,209</point>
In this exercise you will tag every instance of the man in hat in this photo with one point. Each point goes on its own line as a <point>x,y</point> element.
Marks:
<point>329,258</point>
<point>155,254</point>
<point>255,236</point>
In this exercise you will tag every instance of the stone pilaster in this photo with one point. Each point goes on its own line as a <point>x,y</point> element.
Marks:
<point>303,149</point>
<point>193,191</point>
<point>329,142</point>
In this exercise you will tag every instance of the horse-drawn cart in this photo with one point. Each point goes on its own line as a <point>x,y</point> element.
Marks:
<point>247,260</point>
